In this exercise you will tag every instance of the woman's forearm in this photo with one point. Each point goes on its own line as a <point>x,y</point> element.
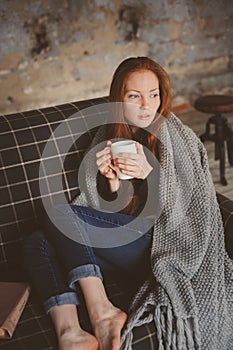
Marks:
<point>114,185</point>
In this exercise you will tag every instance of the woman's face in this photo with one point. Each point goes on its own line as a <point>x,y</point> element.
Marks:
<point>142,98</point>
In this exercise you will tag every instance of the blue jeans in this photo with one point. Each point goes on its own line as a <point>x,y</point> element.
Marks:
<point>67,250</point>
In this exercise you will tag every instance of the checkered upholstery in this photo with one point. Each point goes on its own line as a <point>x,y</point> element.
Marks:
<point>23,140</point>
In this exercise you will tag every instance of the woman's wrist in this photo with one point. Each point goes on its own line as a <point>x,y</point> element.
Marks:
<point>147,171</point>
<point>114,184</point>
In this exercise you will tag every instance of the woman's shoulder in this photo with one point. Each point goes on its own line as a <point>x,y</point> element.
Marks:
<point>185,133</point>
<point>194,141</point>
<point>183,128</point>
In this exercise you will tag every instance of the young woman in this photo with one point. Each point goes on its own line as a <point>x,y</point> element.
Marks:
<point>164,247</point>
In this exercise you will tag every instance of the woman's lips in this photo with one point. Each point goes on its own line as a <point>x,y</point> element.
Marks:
<point>144,116</point>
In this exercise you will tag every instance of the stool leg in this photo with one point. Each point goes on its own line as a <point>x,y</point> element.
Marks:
<point>217,151</point>
<point>205,136</point>
<point>230,150</point>
<point>219,122</point>
<point>222,163</point>
<point>228,134</point>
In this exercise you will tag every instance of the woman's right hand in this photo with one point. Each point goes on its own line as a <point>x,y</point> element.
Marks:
<point>104,163</point>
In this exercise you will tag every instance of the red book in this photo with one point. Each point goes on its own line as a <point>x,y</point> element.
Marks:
<point>13,298</point>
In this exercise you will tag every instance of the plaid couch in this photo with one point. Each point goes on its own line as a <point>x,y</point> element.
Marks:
<point>23,138</point>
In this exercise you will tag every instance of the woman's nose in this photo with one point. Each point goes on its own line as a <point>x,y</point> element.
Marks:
<point>144,102</point>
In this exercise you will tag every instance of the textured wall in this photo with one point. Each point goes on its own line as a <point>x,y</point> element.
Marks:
<point>55,51</point>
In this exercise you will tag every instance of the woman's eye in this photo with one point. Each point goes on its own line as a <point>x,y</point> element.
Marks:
<point>154,95</point>
<point>133,96</point>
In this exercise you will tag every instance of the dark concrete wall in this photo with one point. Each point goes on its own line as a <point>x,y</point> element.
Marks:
<point>55,51</point>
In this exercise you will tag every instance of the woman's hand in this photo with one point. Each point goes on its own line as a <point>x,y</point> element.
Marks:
<point>106,168</point>
<point>135,165</point>
<point>103,161</point>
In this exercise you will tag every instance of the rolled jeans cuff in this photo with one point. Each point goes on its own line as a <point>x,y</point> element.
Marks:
<point>83,271</point>
<point>60,299</point>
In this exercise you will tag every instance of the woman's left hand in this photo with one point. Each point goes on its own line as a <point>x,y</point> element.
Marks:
<point>135,165</point>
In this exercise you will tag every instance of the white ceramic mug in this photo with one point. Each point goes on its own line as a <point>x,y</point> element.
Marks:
<point>128,146</point>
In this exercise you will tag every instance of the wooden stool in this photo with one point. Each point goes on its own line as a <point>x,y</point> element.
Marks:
<point>218,104</point>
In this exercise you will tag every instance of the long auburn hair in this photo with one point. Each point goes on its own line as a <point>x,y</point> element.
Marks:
<point>121,129</point>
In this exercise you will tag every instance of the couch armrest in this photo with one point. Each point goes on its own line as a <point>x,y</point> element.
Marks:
<point>226,207</point>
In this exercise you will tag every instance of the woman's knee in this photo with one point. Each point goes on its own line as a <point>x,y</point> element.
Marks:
<point>57,214</point>
<point>66,211</point>
<point>59,210</point>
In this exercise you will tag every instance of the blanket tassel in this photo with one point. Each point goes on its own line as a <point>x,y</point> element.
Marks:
<point>179,335</point>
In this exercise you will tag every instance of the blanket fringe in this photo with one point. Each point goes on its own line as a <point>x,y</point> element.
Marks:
<point>196,334</point>
<point>178,333</point>
<point>169,329</point>
<point>157,317</point>
<point>189,335</point>
<point>127,343</point>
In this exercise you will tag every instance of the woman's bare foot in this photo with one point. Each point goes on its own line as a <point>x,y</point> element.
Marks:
<point>77,339</point>
<point>107,327</point>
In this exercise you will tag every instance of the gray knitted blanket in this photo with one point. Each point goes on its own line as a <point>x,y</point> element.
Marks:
<point>189,296</point>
